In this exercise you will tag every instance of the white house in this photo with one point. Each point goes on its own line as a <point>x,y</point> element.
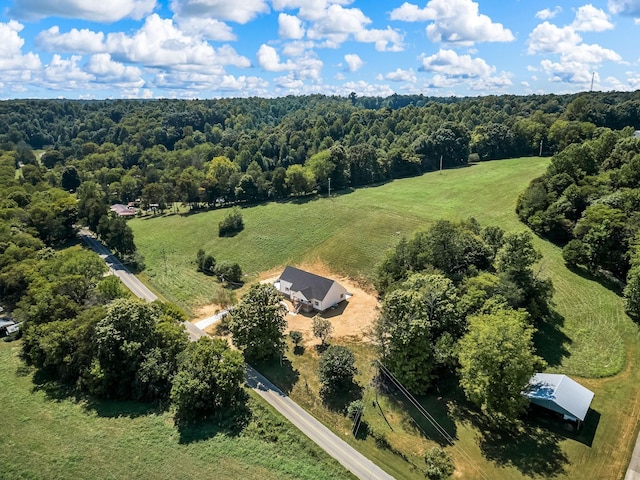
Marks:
<point>308,290</point>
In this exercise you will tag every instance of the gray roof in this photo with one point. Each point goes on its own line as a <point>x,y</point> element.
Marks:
<point>5,322</point>
<point>560,394</point>
<point>312,286</point>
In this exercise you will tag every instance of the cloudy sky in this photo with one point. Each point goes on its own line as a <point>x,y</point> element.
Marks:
<point>236,48</point>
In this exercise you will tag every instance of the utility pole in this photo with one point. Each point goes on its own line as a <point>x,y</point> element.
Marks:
<point>440,163</point>
<point>329,186</point>
<point>540,154</point>
<point>593,74</point>
<point>164,258</point>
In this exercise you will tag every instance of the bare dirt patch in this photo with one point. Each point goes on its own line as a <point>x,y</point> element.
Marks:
<point>352,318</point>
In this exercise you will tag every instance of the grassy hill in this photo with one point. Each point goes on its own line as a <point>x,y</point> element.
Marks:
<point>350,233</point>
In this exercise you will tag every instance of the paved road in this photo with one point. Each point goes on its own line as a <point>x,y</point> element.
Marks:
<point>344,453</point>
<point>633,472</point>
<point>347,456</point>
<point>129,279</point>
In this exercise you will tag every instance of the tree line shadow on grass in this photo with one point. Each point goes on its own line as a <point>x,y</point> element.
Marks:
<point>550,341</point>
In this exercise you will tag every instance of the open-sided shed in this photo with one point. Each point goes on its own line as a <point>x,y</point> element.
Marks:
<point>560,394</point>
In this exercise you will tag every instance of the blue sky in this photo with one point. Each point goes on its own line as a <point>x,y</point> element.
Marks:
<point>221,48</point>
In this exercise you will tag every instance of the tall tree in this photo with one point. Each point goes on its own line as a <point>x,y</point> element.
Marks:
<point>209,380</point>
<point>497,359</point>
<point>257,323</point>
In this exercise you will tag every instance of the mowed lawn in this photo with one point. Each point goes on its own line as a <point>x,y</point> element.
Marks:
<point>591,338</point>
<point>53,438</point>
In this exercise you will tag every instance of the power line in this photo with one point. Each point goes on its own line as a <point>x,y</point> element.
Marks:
<point>431,420</point>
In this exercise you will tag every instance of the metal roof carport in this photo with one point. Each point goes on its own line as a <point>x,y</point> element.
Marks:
<point>560,394</point>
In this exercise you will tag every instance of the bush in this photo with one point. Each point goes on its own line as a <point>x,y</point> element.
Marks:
<point>296,337</point>
<point>355,409</point>
<point>439,464</point>
<point>229,272</point>
<point>231,224</point>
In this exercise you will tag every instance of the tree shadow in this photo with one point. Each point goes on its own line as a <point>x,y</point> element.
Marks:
<point>122,408</point>
<point>279,372</point>
<point>532,450</point>
<point>298,350</point>
<point>437,425</point>
<point>231,424</point>
<point>525,445</point>
<point>554,422</point>
<point>58,391</point>
<point>550,341</point>
<point>339,401</point>
<point>607,281</point>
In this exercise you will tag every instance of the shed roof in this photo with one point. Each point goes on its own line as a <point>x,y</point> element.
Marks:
<point>312,286</point>
<point>560,394</point>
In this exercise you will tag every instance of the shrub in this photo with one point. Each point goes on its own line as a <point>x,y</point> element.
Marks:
<point>354,410</point>
<point>296,337</point>
<point>229,272</point>
<point>439,464</point>
<point>231,224</point>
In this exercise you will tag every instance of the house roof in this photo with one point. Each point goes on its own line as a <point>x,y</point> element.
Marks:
<point>559,393</point>
<point>312,286</point>
<point>122,210</point>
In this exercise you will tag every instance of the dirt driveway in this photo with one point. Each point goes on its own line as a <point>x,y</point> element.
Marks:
<point>352,318</point>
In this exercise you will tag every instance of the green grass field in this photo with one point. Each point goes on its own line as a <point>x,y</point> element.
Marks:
<point>591,338</point>
<point>54,438</point>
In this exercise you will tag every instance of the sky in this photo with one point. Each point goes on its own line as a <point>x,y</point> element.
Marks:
<point>96,49</point>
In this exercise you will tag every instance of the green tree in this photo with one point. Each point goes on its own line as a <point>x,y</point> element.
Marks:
<point>231,224</point>
<point>497,359</point>
<point>322,328</point>
<point>257,323</point>
<point>336,369</point>
<point>439,464</point>
<point>209,380</point>
<point>413,323</point>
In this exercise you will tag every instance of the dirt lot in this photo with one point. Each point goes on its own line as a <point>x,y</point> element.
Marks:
<point>352,318</point>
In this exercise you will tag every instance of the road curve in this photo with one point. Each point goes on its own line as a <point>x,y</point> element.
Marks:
<point>345,454</point>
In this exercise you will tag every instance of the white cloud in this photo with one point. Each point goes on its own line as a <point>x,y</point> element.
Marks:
<point>106,70</point>
<point>297,49</point>
<point>400,75</point>
<point>548,14</point>
<point>591,19</point>
<point>630,8</point>
<point>450,64</point>
<point>160,43</point>
<point>365,89</point>
<point>66,74</point>
<point>454,21</point>
<point>269,60</point>
<point>354,62</point>
<point>11,57</point>
<point>387,40</point>
<point>290,26</point>
<point>241,11</point>
<point>330,24</point>
<point>206,27</point>
<point>76,41</point>
<point>577,60</point>
<point>549,38</point>
<point>94,10</point>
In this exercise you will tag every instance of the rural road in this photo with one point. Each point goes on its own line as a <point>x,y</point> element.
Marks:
<point>346,455</point>
<point>116,267</point>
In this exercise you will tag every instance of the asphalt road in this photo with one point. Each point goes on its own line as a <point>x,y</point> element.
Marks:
<point>347,456</point>
<point>117,268</point>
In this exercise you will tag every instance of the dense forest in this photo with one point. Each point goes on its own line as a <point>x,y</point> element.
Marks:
<point>211,152</point>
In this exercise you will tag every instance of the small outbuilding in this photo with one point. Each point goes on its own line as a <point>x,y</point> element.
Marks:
<point>309,291</point>
<point>560,394</point>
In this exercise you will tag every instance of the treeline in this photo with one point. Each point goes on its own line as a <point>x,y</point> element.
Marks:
<point>210,152</point>
<point>462,301</point>
<point>588,201</point>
